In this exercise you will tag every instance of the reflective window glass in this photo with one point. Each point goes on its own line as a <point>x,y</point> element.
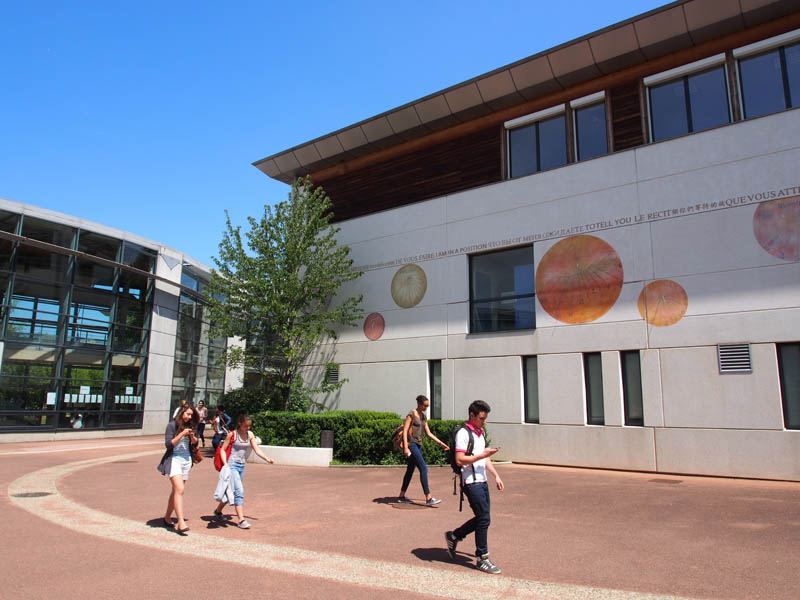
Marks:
<point>761,79</point>
<point>668,115</point>
<point>80,417</point>
<point>792,61</point>
<point>530,379</point>
<point>129,339</point>
<point>552,143</point>
<point>188,280</point>
<point>45,231</point>
<point>138,257</point>
<point>8,221</point>
<point>131,312</point>
<point>632,387</point>
<point>523,156</point>
<point>6,248</point>
<point>89,320</point>
<point>789,374</point>
<point>27,393</point>
<point>132,285</point>
<point>94,275</point>
<point>501,290</point>
<point>40,263</point>
<point>590,131</point>
<point>98,245</point>
<point>708,99</point>
<point>593,380</point>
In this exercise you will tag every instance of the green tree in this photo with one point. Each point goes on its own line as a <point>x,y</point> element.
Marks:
<point>275,288</point>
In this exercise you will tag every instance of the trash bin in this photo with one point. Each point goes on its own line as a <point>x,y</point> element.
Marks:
<point>326,438</point>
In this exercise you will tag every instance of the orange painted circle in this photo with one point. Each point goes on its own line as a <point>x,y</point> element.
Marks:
<point>776,225</point>
<point>374,326</point>
<point>579,279</point>
<point>663,302</point>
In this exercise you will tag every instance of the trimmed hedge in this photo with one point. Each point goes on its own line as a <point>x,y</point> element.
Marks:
<point>359,437</point>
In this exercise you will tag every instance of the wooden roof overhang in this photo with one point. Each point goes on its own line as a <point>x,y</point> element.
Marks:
<point>658,40</point>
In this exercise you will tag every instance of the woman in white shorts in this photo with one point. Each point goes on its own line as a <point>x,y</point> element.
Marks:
<point>179,438</point>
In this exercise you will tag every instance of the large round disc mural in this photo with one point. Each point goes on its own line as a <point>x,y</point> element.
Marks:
<point>374,326</point>
<point>409,285</point>
<point>579,279</point>
<point>776,225</point>
<point>663,302</point>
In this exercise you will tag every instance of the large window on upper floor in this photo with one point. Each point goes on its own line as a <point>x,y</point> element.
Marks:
<point>688,99</point>
<point>537,142</point>
<point>558,135</point>
<point>501,290</point>
<point>591,133</point>
<point>769,75</point>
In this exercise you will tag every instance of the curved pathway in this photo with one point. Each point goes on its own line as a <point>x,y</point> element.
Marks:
<point>38,493</point>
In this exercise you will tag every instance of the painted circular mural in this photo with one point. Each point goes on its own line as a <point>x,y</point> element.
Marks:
<point>374,326</point>
<point>579,279</point>
<point>409,285</point>
<point>776,225</point>
<point>663,302</point>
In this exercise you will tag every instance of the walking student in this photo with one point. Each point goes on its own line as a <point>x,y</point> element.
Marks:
<point>242,439</point>
<point>179,437</point>
<point>202,417</point>
<point>416,422</point>
<point>220,423</point>
<point>474,458</point>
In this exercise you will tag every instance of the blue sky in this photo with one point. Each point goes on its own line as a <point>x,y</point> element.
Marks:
<point>146,116</point>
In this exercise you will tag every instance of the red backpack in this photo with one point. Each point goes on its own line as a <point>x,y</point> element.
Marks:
<point>218,453</point>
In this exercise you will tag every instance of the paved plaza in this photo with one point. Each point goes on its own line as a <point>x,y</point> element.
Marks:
<point>81,519</point>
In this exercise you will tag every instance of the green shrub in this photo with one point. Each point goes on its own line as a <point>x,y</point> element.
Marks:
<point>359,436</point>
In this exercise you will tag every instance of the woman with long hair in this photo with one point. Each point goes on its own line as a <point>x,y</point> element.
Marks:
<point>202,416</point>
<point>242,440</point>
<point>179,438</point>
<point>415,425</point>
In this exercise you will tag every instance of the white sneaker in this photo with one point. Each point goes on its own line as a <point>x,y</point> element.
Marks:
<point>244,525</point>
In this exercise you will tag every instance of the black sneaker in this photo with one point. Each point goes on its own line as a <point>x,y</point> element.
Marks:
<point>452,542</point>
<point>486,565</point>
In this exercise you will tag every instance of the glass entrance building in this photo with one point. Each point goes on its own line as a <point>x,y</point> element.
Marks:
<point>100,330</point>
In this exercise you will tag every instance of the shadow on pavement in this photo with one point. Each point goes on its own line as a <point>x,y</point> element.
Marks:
<point>441,555</point>
<point>392,501</point>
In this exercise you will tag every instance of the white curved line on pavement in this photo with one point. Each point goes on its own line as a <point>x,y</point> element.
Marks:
<point>346,569</point>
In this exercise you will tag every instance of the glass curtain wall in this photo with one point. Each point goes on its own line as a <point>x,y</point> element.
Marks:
<point>199,370</point>
<point>74,332</point>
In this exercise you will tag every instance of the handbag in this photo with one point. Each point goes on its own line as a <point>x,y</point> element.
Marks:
<point>195,452</point>
<point>218,452</point>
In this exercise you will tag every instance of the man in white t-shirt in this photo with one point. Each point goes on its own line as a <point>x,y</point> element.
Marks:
<point>474,466</point>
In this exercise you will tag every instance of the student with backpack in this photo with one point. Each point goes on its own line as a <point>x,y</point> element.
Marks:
<point>472,457</point>
<point>416,422</point>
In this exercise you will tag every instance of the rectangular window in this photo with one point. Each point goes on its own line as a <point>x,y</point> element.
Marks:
<point>591,139</point>
<point>530,385</point>
<point>632,387</point>
<point>435,375</point>
<point>593,379</point>
<point>789,373</point>
<point>770,81</point>
<point>537,142</point>
<point>688,99</point>
<point>501,291</point>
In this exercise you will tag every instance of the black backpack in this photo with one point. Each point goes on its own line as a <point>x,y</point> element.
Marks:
<point>451,458</point>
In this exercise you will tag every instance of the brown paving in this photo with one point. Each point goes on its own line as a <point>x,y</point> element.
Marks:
<point>685,536</point>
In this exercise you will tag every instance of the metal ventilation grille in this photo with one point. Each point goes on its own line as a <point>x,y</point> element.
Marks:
<point>332,374</point>
<point>734,358</point>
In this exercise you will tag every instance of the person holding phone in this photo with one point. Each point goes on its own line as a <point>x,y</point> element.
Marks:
<point>179,438</point>
<point>475,485</point>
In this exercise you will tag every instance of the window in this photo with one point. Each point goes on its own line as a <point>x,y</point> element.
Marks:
<point>537,142</point>
<point>789,374</point>
<point>435,375</point>
<point>593,379</point>
<point>591,139</point>
<point>530,386</point>
<point>688,99</point>
<point>501,291</point>
<point>769,80</point>
<point>632,387</point>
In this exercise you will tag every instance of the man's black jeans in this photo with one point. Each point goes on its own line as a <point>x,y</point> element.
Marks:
<point>478,496</point>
